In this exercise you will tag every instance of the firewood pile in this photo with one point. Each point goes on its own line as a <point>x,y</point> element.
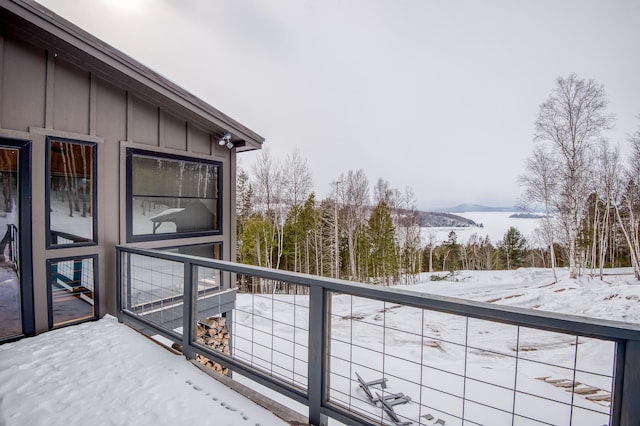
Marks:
<point>213,332</point>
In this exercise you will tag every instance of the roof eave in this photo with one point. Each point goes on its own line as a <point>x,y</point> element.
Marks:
<point>124,66</point>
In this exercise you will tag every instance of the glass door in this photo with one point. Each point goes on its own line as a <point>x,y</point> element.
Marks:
<point>10,289</point>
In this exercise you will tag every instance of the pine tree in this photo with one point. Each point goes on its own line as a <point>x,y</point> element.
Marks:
<point>512,248</point>
<point>383,245</point>
<point>310,223</point>
<point>244,206</point>
<point>450,250</point>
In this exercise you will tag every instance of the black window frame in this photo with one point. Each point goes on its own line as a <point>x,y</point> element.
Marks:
<point>96,299</point>
<point>131,238</point>
<point>25,252</point>
<point>94,191</point>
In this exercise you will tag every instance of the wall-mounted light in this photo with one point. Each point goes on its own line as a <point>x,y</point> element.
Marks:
<point>225,140</point>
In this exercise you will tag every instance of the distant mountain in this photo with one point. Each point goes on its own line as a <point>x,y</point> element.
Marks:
<point>467,207</point>
<point>439,219</point>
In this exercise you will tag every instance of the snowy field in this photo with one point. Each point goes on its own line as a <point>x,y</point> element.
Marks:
<point>616,297</point>
<point>495,225</point>
<point>104,371</point>
<point>427,355</point>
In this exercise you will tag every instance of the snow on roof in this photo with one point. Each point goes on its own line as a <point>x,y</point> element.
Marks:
<point>103,372</point>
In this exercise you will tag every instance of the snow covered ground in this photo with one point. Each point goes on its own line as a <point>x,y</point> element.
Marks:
<point>616,297</point>
<point>102,372</point>
<point>499,367</point>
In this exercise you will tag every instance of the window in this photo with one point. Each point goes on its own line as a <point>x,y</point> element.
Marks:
<point>171,196</point>
<point>71,193</point>
<point>72,295</point>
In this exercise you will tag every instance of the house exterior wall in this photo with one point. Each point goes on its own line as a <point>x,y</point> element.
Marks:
<point>45,93</point>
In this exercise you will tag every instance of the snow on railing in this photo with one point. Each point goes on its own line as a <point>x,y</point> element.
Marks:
<point>364,354</point>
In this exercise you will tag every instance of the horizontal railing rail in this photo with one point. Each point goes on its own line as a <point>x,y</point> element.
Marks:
<point>335,345</point>
<point>60,237</point>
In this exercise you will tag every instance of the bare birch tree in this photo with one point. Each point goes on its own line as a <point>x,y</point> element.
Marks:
<point>269,187</point>
<point>297,182</point>
<point>540,182</point>
<point>382,192</point>
<point>570,122</point>
<point>408,235</point>
<point>431,238</point>
<point>354,200</point>
<point>629,218</point>
<point>610,181</point>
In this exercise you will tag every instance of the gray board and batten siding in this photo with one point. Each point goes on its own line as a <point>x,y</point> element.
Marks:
<point>58,81</point>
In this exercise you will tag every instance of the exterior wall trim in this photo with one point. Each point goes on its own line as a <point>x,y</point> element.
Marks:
<point>65,135</point>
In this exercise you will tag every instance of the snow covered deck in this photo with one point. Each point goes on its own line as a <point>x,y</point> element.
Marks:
<point>105,373</point>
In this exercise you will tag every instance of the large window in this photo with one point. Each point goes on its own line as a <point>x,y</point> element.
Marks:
<point>71,193</point>
<point>171,196</point>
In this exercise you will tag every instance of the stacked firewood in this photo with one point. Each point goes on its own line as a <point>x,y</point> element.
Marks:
<point>213,332</point>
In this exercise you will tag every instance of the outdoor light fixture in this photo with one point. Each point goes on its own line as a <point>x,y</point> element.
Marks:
<point>226,140</point>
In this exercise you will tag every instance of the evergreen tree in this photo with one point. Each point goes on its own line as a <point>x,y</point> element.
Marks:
<point>383,245</point>
<point>293,235</point>
<point>258,240</point>
<point>362,253</point>
<point>512,248</point>
<point>309,220</point>
<point>450,253</point>
<point>244,205</point>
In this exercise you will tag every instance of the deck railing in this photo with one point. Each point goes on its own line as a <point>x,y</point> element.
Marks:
<point>365,354</point>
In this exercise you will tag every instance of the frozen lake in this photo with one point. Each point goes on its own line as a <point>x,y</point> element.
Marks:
<point>495,225</point>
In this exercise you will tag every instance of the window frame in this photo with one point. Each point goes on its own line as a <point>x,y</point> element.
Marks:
<point>96,300</point>
<point>25,243</point>
<point>94,192</point>
<point>134,238</point>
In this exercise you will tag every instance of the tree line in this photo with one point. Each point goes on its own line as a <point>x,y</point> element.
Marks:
<point>372,234</point>
<point>362,233</point>
<point>350,234</point>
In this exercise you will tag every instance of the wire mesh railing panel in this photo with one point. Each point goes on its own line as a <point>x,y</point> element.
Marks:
<point>366,355</point>
<point>210,321</point>
<point>400,364</point>
<point>154,290</point>
<point>270,332</point>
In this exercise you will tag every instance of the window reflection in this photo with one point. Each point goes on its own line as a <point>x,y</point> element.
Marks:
<point>71,290</point>
<point>71,192</point>
<point>10,297</point>
<point>173,195</point>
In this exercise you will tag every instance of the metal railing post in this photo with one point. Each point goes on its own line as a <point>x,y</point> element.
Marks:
<point>187,311</point>
<point>317,354</point>
<point>129,281</point>
<point>630,410</point>
<point>119,306</point>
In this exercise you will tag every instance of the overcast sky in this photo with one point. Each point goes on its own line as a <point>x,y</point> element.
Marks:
<point>440,96</point>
